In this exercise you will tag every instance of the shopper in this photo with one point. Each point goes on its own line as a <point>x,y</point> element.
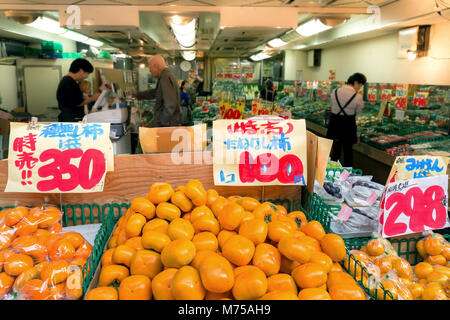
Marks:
<point>268,93</point>
<point>184,101</point>
<point>346,103</point>
<point>85,87</point>
<point>194,92</point>
<point>69,95</point>
<point>166,93</point>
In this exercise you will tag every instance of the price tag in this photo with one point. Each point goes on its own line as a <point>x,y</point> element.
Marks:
<point>372,94</point>
<point>205,106</point>
<point>401,94</point>
<point>372,198</point>
<point>345,212</point>
<point>415,205</point>
<point>344,175</point>
<point>386,95</point>
<point>58,157</point>
<point>234,110</point>
<point>244,152</point>
<point>421,99</point>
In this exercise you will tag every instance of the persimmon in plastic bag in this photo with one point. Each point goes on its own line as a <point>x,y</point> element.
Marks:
<point>37,261</point>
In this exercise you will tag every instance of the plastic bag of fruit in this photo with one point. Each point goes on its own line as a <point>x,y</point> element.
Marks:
<point>331,193</point>
<point>192,243</point>
<point>361,222</point>
<point>361,192</point>
<point>37,261</point>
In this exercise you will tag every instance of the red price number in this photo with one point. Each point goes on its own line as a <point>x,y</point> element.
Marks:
<point>88,174</point>
<point>267,167</point>
<point>424,209</point>
<point>232,114</point>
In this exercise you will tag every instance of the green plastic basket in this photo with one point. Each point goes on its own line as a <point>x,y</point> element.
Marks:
<point>315,209</point>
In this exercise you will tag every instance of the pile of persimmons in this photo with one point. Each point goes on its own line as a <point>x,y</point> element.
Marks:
<point>193,244</point>
<point>37,261</point>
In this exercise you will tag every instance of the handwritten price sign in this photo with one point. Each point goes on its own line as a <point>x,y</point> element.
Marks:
<point>59,157</point>
<point>372,94</point>
<point>259,152</point>
<point>386,95</point>
<point>234,110</point>
<point>282,111</point>
<point>421,99</point>
<point>261,107</point>
<point>401,94</point>
<point>415,205</point>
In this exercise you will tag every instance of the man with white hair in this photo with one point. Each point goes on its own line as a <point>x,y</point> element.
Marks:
<point>167,94</point>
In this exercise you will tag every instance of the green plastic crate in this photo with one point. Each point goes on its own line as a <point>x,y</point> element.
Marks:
<point>331,172</point>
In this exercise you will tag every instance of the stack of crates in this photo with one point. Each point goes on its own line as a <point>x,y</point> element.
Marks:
<point>51,50</point>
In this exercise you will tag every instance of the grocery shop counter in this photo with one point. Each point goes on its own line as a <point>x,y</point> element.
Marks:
<point>370,160</point>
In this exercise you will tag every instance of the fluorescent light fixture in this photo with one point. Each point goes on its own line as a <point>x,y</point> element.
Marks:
<point>75,36</point>
<point>184,33</point>
<point>188,55</point>
<point>176,19</point>
<point>412,55</point>
<point>142,66</point>
<point>277,42</point>
<point>93,42</point>
<point>259,56</point>
<point>311,27</point>
<point>48,25</point>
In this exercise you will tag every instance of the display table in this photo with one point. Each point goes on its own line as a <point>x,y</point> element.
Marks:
<point>370,160</point>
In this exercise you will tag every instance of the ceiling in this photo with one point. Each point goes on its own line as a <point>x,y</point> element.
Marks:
<point>229,3</point>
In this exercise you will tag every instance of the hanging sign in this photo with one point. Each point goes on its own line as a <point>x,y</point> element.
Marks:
<point>372,94</point>
<point>259,152</point>
<point>59,157</point>
<point>415,205</point>
<point>413,167</point>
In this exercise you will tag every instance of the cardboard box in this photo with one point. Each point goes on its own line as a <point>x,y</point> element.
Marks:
<point>173,139</point>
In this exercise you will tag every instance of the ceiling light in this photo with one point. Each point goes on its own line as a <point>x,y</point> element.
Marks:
<point>48,25</point>
<point>142,66</point>
<point>177,19</point>
<point>184,33</point>
<point>259,56</point>
<point>311,27</point>
<point>75,36</point>
<point>93,42</point>
<point>277,42</point>
<point>412,55</point>
<point>188,55</point>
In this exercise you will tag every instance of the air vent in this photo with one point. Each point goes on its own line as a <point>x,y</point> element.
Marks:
<point>290,36</point>
<point>113,35</point>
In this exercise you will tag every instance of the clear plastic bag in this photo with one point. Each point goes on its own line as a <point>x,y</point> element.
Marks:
<point>330,192</point>
<point>37,260</point>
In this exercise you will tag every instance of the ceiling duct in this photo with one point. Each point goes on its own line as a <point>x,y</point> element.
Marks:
<point>290,36</point>
<point>22,16</point>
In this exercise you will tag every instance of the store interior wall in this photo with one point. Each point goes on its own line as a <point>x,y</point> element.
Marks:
<point>377,59</point>
<point>8,87</point>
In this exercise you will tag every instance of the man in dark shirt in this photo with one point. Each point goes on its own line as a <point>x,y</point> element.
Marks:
<point>167,94</point>
<point>268,93</point>
<point>69,95</point>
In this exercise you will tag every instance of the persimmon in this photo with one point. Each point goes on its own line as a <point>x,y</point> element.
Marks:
<point>255,230</point>
<point>250,285</point>
<point>143,206</point>
<point>230,216</point>
<point>135,242</point>
<point>199,256</point>
<point>294,249</point>
<point>6,282</point>
<point>313,294</point>
<point>195,191</point>
<point>238,250</point>
<point>205,241</point>
<point>267,258</point>
<point>180,229</point>
<point>437,259</point>
<point>135,287</point>
<point>423,269</point>
<point>310,275</point>
<point>112,274</point>
<point>61,250</point>
<point>433,291</point>
<point>223,236</point>
<point>249,203</point>
<point>333,246</point>
<point>55,272</point>
<point>346,291</point>
<point>279,295</point>
<point>375,247</point>
<point>18,263</point>
<point>216,274</point>
<point>322,259</point>
<point>281,282</point>
<point>146,262</point>
<point>178,253</point>
<point>27,225</point>
<point>313,229</point>
<point>34,289</point>
<point>167,211</point>
<point>206,223</point>
<point>161,284</point>
<point>14,215</point>
<point>433,246</point>
<point>102,293</point>
<point>277,229</point>
<point>218,205</point>
<point>6,236</point>
<point>187,285</point>
<point>56,292</point>
<point>160,192</point>
<point>134,225</point>
<point>201,211</point>
<point>155,240</point>
<point>123,254</point>
<point>107,257</point>
<point>74,238</point>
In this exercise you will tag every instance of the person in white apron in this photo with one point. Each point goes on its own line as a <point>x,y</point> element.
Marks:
<point>346,103</point>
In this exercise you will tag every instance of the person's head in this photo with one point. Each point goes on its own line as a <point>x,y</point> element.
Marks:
<point>85,87</point>
<point>269,84</point>
<point>184,85</point>
<point>196,83</point>
<point>80,69</point>
<point>357,80</point>
<point>156,64</point>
